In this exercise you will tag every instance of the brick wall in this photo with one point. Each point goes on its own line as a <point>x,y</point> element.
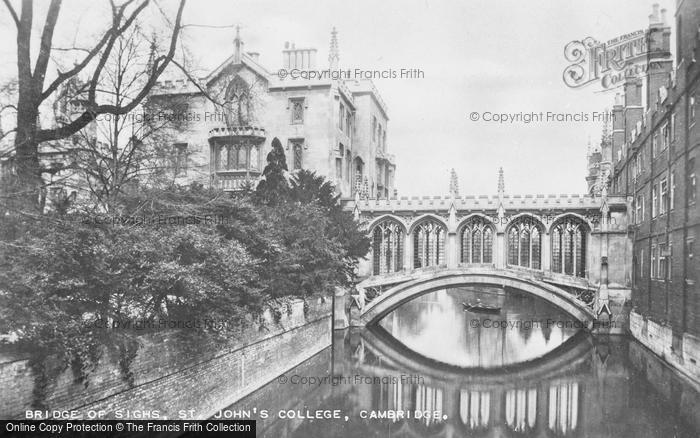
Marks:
<point>172,372</point>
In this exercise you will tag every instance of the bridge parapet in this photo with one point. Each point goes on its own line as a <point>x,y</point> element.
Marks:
<point>485,202</point>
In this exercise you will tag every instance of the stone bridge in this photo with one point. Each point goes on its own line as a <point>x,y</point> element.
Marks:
<point>571,250</point>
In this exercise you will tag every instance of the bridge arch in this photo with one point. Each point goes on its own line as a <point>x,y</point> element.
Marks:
<point>402,293</point>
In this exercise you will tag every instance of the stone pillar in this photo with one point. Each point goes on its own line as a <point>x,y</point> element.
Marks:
<point>408,254</point>
<point>546,252</point>
<point>452,250</point>
<point>500,252</point>
<point>451,244</point>
<point>340,314</point>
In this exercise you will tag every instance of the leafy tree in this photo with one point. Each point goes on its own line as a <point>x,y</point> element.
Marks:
<point>308,187</point>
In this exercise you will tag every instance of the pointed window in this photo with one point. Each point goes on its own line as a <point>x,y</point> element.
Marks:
<point>477,241</point>
<point>387,247</point>
<point>428,244</point>
<point>569,246</point>
<point>525,243</point>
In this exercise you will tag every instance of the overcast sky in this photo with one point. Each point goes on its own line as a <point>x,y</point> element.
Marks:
<point>477,55</point>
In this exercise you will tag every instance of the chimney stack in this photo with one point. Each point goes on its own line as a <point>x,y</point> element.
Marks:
<point>654,17</point>
<point>300,59</point>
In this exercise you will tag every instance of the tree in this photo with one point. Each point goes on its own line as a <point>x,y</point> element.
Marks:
<point>118,152</point>
<point>309,188</point>
<point>274,185</point>
<point>33,90</point>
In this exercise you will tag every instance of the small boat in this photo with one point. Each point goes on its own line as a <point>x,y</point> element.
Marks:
<point>478,307</point>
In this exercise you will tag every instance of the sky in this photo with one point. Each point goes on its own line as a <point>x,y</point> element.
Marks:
<point>478,56</point>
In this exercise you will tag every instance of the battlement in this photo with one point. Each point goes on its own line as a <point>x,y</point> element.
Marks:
<point>486,202</point>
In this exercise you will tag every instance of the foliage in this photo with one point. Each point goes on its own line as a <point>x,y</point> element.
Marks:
<point>274,185</point>
<point>61,272</point>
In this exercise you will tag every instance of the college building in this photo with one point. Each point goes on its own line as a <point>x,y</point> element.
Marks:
<point>220,127</point>
<point>336,127</point>
<point>651,156</point>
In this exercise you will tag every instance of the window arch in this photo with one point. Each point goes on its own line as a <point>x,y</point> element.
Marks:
<point>569,246</point>
<point>525,243</point>
<point>387,246</point>
<point>359,168</point>
<point>477,241</point>
<point>428,244</point>
<point>237,102</point>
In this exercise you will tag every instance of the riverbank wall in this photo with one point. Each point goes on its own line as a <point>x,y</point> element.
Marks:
<point>173,375</point>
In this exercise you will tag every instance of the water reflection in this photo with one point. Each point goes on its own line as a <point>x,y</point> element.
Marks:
<point>437,326</point>
<point>571,385</point>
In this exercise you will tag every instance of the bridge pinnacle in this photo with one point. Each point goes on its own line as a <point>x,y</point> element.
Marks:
<point>501,183</point>
<point>454,184</point>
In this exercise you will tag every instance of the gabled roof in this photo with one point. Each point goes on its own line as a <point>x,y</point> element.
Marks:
<point>245,60</point>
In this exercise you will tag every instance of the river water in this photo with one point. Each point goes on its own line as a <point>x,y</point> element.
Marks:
<point>513,365</point>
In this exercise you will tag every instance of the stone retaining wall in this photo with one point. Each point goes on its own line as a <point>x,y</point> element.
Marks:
<point>173,374</point>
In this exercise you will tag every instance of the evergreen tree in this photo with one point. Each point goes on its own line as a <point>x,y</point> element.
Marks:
<point>274,186</point>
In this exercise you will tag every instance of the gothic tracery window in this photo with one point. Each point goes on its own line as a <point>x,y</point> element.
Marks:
<point>525,243</point>
<point>238,103</point>
<point>387,246</point>
<point>429,244</point>
<point>477,241</point>
<point>569,247</point>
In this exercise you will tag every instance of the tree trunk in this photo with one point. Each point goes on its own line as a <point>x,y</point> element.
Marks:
<point>27,191</point>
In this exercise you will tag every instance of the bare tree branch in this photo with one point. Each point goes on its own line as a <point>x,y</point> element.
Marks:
<point>42,60</point>
<point>94,110</point>
<point>13,13</point>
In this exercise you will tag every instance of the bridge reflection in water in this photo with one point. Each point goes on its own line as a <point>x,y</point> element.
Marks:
<point>539,381</point>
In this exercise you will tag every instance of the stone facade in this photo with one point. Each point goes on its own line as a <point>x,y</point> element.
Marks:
<point>335,127</point>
